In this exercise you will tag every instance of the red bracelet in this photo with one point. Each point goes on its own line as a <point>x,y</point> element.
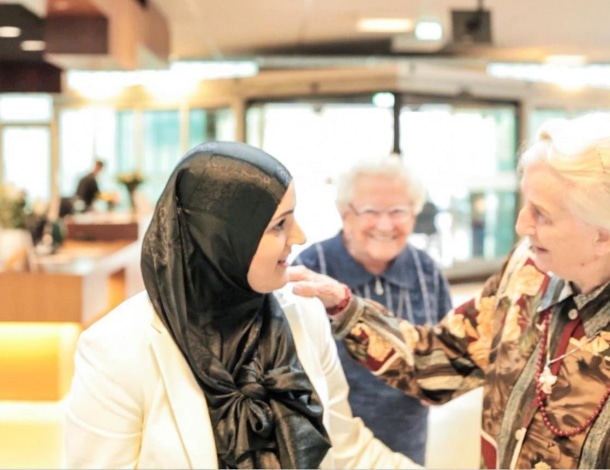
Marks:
<point>341,305</point>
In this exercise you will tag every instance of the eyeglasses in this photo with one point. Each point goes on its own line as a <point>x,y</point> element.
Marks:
<point>370,214</point>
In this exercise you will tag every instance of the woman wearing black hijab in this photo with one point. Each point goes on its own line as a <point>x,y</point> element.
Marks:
<point>210,368</point>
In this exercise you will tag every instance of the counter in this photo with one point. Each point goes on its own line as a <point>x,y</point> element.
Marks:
<point>79,283</point>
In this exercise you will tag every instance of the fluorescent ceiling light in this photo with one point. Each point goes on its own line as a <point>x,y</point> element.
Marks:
<point>571,60</point>
<point>594,76</point>
<point>385,25</point>
<point>207,70</point>
<point>383,100</point>
<point>32,45</point>
<point>10,32</point>
<point>180,77</point>
<point>428,31</point>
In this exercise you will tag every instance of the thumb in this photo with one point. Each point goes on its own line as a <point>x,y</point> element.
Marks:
<point>297,273</point>
<point>304,289</point>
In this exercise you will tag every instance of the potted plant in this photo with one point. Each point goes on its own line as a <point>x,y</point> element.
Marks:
<point>16,247</point>
<point>131,181</point>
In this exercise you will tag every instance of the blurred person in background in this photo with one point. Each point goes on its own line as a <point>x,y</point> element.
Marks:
<point>88,189</point>
<point>378,201</point>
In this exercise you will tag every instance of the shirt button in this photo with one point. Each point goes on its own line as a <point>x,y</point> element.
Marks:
<point>573,314</point>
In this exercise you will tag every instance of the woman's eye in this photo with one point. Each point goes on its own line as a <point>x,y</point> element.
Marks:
<point>279,226</point>
<point>539,215</point>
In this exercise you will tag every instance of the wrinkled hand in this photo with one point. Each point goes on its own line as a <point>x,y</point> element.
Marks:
<point>308,283</point>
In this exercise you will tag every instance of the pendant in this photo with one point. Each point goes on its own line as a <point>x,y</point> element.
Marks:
<point>547,380</point>
<point>378,286</point>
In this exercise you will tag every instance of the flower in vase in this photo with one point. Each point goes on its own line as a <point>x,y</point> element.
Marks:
<point>131,180</point>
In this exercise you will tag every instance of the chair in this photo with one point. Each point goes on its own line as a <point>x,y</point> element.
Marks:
<point>36,368</point>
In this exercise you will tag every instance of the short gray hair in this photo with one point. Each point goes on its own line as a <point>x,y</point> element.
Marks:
<point>391,166</point>
<point>579,151</point>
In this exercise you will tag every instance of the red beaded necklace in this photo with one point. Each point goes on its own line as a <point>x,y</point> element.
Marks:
<point>542,394</point>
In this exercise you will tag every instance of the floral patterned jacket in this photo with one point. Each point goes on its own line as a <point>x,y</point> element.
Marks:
<point>494,341</point>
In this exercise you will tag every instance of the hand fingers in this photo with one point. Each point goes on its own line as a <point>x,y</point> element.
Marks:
<point>305,289</point>
<point>298,273</point>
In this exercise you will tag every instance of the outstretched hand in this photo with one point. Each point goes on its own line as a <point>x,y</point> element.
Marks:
<point>308,283</point>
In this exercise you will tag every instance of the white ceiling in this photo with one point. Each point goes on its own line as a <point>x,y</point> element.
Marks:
<point>522,30</point>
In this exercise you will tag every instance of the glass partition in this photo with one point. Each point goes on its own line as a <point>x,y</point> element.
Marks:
<point>86,135</point>
<point>25,143</point>
<point>149,141</point>
<point>161,149</point>
<point>204,125</point>
<point>316,140</point>
<point>26,160</point>
<point>467,156</point>
<point>465,153</point>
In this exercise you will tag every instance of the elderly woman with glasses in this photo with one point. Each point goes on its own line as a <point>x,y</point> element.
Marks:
<point>378,201</point>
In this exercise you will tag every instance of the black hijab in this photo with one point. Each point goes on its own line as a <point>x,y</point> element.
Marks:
<point>195,259</point>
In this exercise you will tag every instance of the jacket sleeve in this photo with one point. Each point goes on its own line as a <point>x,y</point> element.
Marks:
<point>103,415</point>
<point>353,444</point>
<point>435,363</point>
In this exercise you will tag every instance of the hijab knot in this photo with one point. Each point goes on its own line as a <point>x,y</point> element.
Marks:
<point>249,383</point>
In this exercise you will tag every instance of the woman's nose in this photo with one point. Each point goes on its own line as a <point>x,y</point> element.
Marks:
<point>297,237</point>
<point>524,225</point>
<point>384,221</point>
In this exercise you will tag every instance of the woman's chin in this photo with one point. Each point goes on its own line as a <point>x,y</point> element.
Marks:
<point>541,260</point>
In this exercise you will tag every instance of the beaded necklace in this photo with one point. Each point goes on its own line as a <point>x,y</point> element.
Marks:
<point>545,380</point>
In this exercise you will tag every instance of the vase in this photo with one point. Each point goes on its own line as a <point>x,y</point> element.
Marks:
<point>132,200</point>
<point>16,250</point>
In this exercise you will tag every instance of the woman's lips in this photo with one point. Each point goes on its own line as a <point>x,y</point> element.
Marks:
<point>538,250</point>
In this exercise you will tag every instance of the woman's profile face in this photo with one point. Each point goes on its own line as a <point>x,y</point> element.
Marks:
<point>561,242</point>
<point>267,270</point>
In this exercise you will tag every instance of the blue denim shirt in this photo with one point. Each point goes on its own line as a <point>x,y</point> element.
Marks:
<point>412,288</point>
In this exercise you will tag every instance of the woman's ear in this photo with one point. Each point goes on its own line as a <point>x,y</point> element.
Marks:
<point>602,241</point>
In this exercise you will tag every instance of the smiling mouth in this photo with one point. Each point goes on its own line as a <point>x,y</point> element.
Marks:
<point>383,238</point>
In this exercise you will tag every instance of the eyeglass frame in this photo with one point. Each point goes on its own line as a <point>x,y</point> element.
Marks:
<point>397,214</point>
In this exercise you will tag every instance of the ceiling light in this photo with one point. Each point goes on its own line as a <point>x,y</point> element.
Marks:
<point>383,100</point>
<point>209,70</point>
<point>591,76</point>
<point>33,45</point>
<point>9,32</point>
<point>428,30</point>
<point>385,25</point>
<point>567,60</point>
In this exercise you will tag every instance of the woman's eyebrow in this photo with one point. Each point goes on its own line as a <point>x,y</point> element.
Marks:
<point>283,214</point>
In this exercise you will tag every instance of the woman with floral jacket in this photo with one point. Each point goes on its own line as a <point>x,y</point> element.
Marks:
<point>537,336</point>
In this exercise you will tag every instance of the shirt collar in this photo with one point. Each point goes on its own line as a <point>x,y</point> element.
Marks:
<point>594,307</point>
<point>354,274</point>
<point>557,290</point>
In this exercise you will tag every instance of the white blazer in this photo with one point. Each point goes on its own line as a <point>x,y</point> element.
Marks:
<point>134,402</point>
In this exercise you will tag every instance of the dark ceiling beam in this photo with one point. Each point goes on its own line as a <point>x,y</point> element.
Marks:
<point>110,35</point>
<point>29,77</point>
<point>68,34</point>
<point>32,28</point>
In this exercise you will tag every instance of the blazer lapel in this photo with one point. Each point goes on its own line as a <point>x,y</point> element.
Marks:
<point>304,350</point>
<point>185,398</point>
